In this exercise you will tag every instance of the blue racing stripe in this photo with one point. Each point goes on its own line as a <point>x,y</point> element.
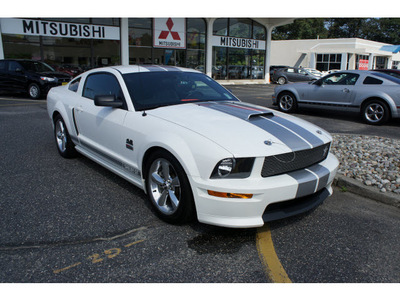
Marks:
<point>271,124</point>
<point>293,141</point>
<point>304,133</point>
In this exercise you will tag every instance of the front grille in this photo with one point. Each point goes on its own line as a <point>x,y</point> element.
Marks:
<point>292,161</point>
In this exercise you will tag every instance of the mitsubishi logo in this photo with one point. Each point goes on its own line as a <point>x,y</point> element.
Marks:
<point>164,34</point>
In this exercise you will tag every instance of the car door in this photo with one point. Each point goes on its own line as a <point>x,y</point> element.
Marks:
<point>100,128</point>
<point>291,74</point>
<point>337,88</point>
<point>17,79</point>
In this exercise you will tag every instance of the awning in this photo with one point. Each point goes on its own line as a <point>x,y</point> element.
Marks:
<point>391,48</point>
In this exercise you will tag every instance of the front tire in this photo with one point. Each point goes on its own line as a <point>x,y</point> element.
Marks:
<point>65,146</point>
<point>375,112</point>
<point>34,91</point>
<point>168,188</point>
<point>287,102</point>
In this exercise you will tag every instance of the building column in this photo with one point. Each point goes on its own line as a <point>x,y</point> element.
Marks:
<point>124,32</point>
<point>343,62</point>
<point>312,64</point>
<point>209,47</point>
<point>268,53</point>
<point>371,61</point>
<point>1,46</point>
<point>352,61</point>
<point>389,63</point>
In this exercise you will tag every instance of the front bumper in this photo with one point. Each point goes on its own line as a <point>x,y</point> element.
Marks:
<point>271,196</point>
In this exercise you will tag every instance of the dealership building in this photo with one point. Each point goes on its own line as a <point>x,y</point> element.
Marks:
<point>224,48</point>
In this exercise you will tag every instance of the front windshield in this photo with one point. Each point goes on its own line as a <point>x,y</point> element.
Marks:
<point>36,66</point>
<point>154,89</point>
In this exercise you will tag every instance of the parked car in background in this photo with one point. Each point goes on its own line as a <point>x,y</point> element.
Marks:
<point>392,72</point>
<point>29,76</point>
<point>375,95</point>
<point>196,149</point>
<point>315,72</point>
<point>285,75</point>
<point>71,70</point>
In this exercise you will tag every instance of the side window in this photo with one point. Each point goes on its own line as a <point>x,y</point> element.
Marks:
<point>13,66</point>
<point>2,65</point>
<point>102,84</point>
<point>74,85</point>
<point>290,70</point>
<point>372,80</point>
<point>341,79</point>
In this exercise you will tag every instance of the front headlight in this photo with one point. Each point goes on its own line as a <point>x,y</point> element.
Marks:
<point>233,168</point>
<point>49,79</point>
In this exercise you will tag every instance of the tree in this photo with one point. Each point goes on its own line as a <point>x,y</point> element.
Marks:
<point>301,29</point>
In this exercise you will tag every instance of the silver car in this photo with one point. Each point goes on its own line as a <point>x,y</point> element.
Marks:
<point>376,96</point>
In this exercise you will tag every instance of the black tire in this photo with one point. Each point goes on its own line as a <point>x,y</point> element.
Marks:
<point>65,146</point>
<point>375,112</point>
<point>34,91</point>
<point>281,80</point>
<point>287,102</point>
<point>168,188</point>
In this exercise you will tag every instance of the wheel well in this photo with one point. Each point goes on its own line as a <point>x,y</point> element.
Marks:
<point>286,92</point>
<point>55,114</point>
<point>146,156</point>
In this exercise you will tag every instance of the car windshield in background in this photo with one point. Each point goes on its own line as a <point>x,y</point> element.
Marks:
<point>387,76</point>
<point>36,66</point>
<point>154,89</point>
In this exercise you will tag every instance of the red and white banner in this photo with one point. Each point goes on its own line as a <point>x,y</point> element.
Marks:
<point>169,33</point>
<point>363,64</point>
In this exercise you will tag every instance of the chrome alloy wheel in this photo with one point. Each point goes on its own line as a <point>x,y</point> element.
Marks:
<point>165,189</point>
<point>61,136</point>
<point>286,102</point>
<point>374,112</point>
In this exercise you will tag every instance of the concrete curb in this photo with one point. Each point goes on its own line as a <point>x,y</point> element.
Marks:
<point>357,187</point>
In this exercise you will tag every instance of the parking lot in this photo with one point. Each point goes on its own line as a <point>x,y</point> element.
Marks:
<point>74,221</point>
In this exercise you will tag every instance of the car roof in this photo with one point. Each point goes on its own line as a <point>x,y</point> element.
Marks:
<point>147,68</point>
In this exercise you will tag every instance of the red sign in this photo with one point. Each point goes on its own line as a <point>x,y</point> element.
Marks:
<point>363,64</point>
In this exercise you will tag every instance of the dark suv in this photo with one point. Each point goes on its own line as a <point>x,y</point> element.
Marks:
<point>31,76</point>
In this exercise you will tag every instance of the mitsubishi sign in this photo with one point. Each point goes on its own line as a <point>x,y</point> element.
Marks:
<point>58,29</point>
<point>169,33</point>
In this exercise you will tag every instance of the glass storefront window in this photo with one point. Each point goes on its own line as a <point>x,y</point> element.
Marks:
<point>220,27</point>
<point>141,50</point>
<point>326,62</point>
<point>240,28</point>
<point>21,46</point>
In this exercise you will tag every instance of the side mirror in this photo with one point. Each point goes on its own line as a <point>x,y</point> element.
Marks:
<point>107,101</point>
<point>317,82</point>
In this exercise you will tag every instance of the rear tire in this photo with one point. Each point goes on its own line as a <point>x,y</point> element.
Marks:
<point>282,80</point>
<point>375,112</point>
<point>168,188</point>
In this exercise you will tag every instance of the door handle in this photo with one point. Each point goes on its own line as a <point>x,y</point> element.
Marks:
<point>346,90</point>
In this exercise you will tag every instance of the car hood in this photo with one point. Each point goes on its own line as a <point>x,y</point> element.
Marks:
<point>244,129</point>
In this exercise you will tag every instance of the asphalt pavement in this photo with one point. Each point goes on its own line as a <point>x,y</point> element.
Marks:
<point>70,220</point>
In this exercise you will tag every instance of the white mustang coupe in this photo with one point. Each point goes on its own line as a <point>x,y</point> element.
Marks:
<point>193,147</point>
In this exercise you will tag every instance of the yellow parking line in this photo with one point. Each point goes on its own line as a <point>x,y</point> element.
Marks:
<point>269,259</point>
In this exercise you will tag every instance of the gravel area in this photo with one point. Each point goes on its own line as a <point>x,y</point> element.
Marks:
<point>375,161</point>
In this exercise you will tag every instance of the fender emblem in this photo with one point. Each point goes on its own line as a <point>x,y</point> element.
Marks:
<point>129,144</point>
